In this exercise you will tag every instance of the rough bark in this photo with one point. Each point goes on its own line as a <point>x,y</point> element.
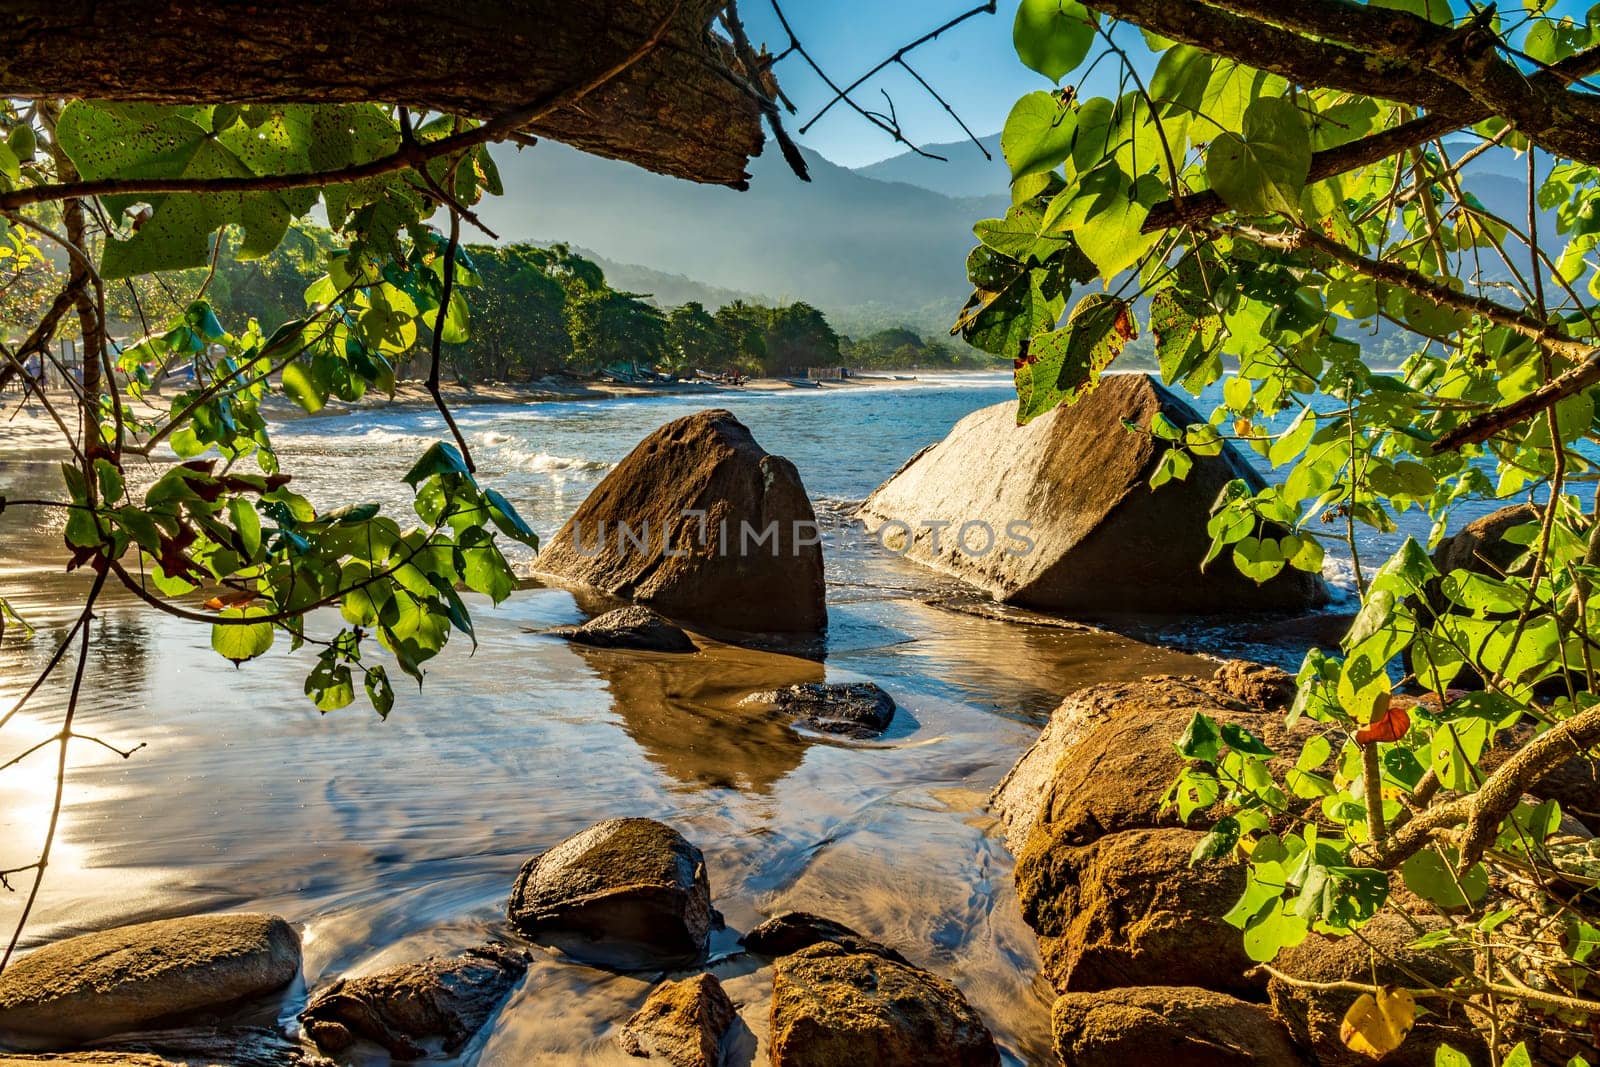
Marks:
<point>677,112</point>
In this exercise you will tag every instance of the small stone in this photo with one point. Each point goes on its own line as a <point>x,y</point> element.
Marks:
<point>1257,684</point>
<point>634,628</point>
<point>855,709</point>
<point>628,893</point>
<point>400,1007</point>
<point>681,1023</point>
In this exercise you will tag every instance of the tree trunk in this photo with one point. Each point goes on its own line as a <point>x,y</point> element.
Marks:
<point>676,111</point>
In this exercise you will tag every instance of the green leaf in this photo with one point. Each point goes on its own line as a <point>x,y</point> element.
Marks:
<point>440,458</point>
<point>508,521</point>
<point>329,685</point>
<point>247,523</point>
<point>1201,739</point>
<point>1263,172</point>
<point>379,691</point>
<point>1259,559</point>
<point>241,641</point>
<point>1060,366</point>
<point>1241,740</point>
<point>1106,214</point>
<point>301,387</point>
<point>1038,133</point>
<point>1431,877</point>
<point>1052,36</point>
<point>1217,844</point>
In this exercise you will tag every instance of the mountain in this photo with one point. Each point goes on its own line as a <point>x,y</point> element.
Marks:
<point>869,253</point>
<point>964,172</point>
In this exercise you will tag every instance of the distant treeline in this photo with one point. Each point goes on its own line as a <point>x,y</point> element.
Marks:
<point>539,310</point>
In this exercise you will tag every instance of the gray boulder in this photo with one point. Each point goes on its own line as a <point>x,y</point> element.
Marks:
<point>855,709</point>
<point>131,977</point>
<point>1098,540</point>
<point>444,999</point>
<point>687,494</point>
<point>628,893</point>
<point>633,628</point>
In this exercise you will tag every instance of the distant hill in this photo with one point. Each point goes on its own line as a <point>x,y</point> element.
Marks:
<point>869,253</point>
<point>963,173</point>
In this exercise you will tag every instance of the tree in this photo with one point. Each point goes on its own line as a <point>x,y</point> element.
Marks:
<point>696,339</point>
<point>798,336</point>
<point>611,327</point>
<point>522,326</point>
<point>127,161</point>
<point>1290,174</point>
<point>746,324</point>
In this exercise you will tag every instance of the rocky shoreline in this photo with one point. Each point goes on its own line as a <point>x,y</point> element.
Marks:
<point>1133,948</point>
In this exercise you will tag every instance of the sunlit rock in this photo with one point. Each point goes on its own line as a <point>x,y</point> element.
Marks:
<point>129,977</point>
<point>832,1008</point>
<point>681,1023</point>
<point>628,893</point>
<point>438,1000</point>
<point>1058,515</point>
<point>702,524</point>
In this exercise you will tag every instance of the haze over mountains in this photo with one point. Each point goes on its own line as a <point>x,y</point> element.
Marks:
<point>868,252</point>
<point>879,246</point>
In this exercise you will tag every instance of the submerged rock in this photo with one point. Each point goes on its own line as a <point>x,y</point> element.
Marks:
<point>234,1046</point>
<point>681,1023</point>
<point>1093,537</point>
<point>632,627</point>
<point>832,1008</point>
<point>855,709</point>
<point>788,932</point>
<point>698,499</point>
<point>132,977</point>
<point>1168,1026</point>
<point>625,893</point>
<point>401,1007</point>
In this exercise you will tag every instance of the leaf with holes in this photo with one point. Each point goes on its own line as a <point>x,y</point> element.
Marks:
<point>1060,366</point>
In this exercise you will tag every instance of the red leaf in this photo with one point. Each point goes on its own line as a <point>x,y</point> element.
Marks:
<point>1390,724</point>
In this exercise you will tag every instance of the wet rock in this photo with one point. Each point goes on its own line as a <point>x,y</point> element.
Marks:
<point>1313,1015</point>
<point>632,627</point>
<point>1128,910</point>
<point>239,1046</point>
<point>833,1008</point>
<point>1169,1026</point>
<point>1257,684</point>
<point>788,932</point>
<point>448,999</point>
<point>855,709</point>
<point>681,1023</point>
<point>1319,629</point>
<point>624,893</point>
<point>1100,540</point>
<point>709,572</point>
<point>1106,758</point>
<point>132,977</point>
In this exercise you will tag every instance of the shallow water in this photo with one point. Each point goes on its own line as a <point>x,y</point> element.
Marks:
<point>388,839</point>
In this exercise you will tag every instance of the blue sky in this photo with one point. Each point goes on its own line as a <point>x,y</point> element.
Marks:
<point>973,66</point>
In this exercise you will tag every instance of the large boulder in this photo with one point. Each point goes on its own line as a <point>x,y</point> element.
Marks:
<point>1106,758</point>
<point>625,892</point>
<point>835,1008</point>
<point>131,977</point>
<point>681,1023</point>
<point>444,999</point>
<point>1169,1026</point>
<point>1095,538</point>
<point>1383,953</point>
<point>697,497</point>
<point>1129,910</point>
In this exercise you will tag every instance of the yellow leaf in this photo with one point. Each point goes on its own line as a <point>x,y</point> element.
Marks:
<point>1376,1026</point>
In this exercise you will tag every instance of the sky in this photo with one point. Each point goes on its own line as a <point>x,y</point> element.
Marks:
<point>973,66</point>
